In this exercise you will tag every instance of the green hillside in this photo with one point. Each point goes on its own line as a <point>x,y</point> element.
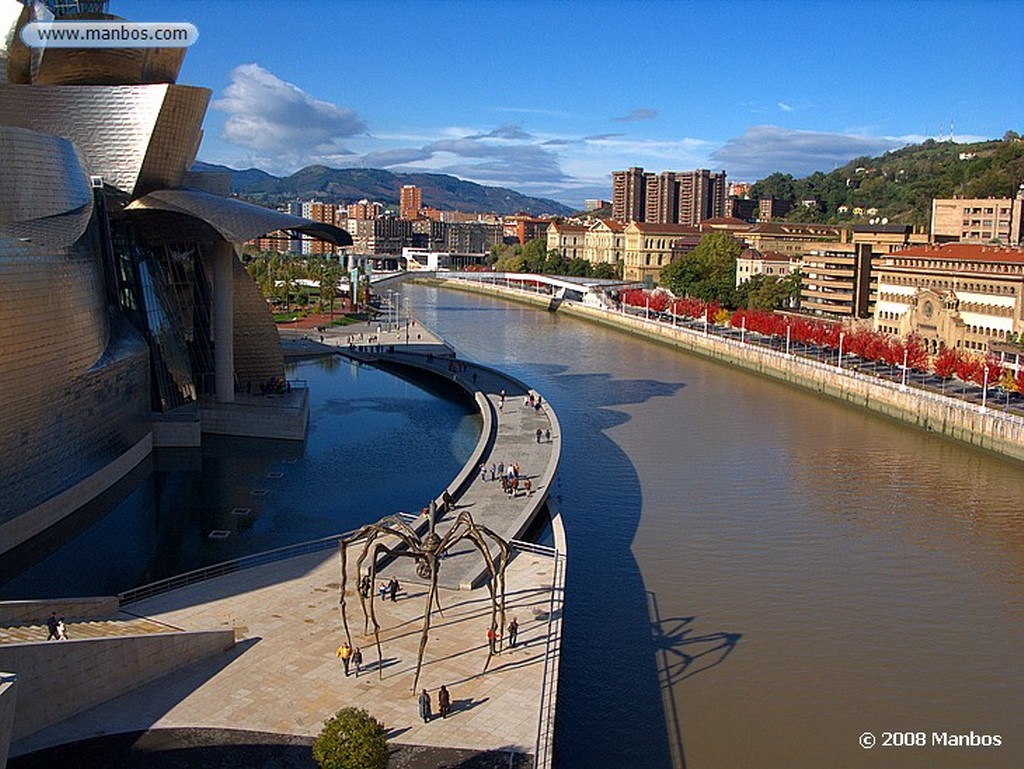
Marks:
<point>902,183</point>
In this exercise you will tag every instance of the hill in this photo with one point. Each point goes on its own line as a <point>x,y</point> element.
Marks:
<point>902,183</point>
<point>348,185</point>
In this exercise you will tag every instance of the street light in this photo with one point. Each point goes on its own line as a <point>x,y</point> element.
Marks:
<point>903,384</point>
<point>842,336</point>
<point>743,330</point>
<point>787,339</point>
<point>984,388</point>
<point>647,308</point>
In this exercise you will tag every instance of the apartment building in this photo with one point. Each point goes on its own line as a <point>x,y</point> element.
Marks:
<point>410,201</point>
<point>567,239</point>
<point>752,262</point>
<point>979,220</point>
<point>671,197</point>
<point>838,281</point>
<point>605,242</point>
<point>791,239</point>
<point>962,295</point>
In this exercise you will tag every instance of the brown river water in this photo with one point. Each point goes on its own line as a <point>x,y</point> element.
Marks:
<point>757,575</point>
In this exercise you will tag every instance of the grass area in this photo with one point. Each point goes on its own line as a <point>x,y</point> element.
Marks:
<point>345,320</point>
<point>285,317</point>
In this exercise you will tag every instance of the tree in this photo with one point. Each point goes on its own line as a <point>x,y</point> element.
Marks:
<point>606,271</point>
<point>708,272</point>
<point>352,739</point>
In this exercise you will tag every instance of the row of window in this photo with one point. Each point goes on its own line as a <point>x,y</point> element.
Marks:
<point>950,284</point>
<point>944,265</point>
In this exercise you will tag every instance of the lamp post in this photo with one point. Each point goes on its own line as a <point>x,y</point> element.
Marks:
<point>705,322</point>
<point>984,388</point>
<point>391,309</point>
<point>743,330</point>
<point>839,362</point>
<point>787,340</point>
<point>903,383</point>
<point>647,308</point>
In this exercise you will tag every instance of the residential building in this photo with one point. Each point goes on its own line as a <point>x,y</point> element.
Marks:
<point>387,235</point>
<point>523,227</point>
<point>472,237</point>
<point>592,204</point>
<point>775,265</point>
<point>648,248</point>
<point>605,242</point>
<point>410,201</point>
<point>364,209</point>
<point>429,234</point>
<point>567,239</point>
<point>979,220</point>
<point>837,281</point>
<point>772,208</point>
<point>741,208</point>
<point>886,238</point>
<point>790,238</point>
<point>963,295</point>
<point>628,194</point>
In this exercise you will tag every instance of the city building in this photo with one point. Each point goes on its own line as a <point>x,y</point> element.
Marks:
<point>979,220</point>
<point>567,239</point>
<point>605,242</point>
<point>365,209</point>
<point>410,201</point>
<point>158,325</point>
<point>962,295</point>
<point>838,281</point>
<point>790,238</point>
<point>671,197</point>
<point>741,208</point>
<point>385,235</point>
<point>648,248</point>
<point>752,262</point>
<point>472,237</point>
<point>886,238</point>
<point>592,204</point>
<point>523,228</point>
<point>772,208</point>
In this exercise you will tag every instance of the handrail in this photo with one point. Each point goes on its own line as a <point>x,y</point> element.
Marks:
<point>544,748</point>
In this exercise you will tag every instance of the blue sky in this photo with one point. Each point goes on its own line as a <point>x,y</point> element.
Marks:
<point>549,98</point>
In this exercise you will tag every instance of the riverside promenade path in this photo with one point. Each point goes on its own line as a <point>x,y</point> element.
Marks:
<point>283,678</point>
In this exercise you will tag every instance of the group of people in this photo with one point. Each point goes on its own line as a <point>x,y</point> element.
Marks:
<point>350,656</point>
<point>385,589</point>
<point>58,631</point>
<point>509,477</point>
<point>444,704</point>
<point>533,401</point>
<point>494,636</point>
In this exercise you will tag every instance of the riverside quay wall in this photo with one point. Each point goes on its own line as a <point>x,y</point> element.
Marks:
<point>986,428</point>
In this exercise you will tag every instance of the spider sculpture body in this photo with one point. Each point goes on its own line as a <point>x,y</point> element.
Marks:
<point>391,536</point>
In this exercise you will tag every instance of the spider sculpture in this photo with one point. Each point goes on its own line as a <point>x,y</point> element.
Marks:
<point>426,552</point>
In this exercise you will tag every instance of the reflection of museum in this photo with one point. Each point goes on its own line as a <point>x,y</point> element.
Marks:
<point>960,295</point>
<point>123,306</point>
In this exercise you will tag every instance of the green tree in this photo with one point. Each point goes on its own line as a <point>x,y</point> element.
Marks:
<point>708,272</point>
<point>352,739</point>
<point>764,292</point>
<point>535,253</point>
<point>606,271</point>
<point>579,268</point>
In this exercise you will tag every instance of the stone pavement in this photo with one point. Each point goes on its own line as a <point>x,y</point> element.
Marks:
<point>283,676</point>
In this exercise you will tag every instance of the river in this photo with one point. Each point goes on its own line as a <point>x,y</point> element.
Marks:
<point>757,575</point>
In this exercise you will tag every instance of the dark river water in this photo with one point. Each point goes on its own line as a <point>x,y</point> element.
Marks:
<point>757,576</point>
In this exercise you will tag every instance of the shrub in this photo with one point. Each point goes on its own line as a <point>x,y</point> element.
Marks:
<point>352,739</point>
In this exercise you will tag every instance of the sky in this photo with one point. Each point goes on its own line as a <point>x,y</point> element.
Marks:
<point>550,97</point>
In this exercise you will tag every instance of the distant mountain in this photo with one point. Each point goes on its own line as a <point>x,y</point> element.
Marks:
<point>348,185</point>
<point>900,185</point>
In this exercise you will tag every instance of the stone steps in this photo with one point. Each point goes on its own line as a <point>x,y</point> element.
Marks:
<point>84,629</point>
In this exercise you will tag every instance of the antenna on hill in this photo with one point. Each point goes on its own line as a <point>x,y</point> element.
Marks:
<point>951,130</point>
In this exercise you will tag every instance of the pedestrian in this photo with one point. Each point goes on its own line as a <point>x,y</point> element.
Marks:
<point>483,471</point>
<point>527,402</point>
<point>539,400</point>
<point>357,660</point>
<point>62,630</point>
<point>383,590</point>
<point>492,639</point>
<point>425,706</point>
<point>530,400</point>
<point>513,632</point>
<point>51,625</point>
<point>492,471</point>
<point>527,486</point>
<point>365,586</point>
<point>345,652</point>
<point>474,379</point>
<point>547,435</point>
<point>501,468</point>
<point>393,589</point>
<point>539,433</point>
<point>444,702</point>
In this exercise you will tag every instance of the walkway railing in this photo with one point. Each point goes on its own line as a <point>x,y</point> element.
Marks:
<point>544,749</point>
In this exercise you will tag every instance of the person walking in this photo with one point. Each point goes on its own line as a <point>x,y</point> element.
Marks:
<point>483,471</point>
<point>393,589</point>
<point>62,630</point>
<point>492,640</point>
<point>539,433</point>
<point>51,625</point>
<point>527,487</point>
<point>425,706</point>
<point>513,633</point>
<point>357,660</point>
<point>444,702</point>
<point>345,652</point>
<point>547,435</point>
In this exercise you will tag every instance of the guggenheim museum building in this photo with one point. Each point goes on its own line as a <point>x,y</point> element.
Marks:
<point>126,318</point>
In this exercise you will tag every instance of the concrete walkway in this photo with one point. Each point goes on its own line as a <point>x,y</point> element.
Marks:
<point>283,676</point>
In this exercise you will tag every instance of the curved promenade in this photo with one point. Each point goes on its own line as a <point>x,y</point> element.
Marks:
<point>282,676</point>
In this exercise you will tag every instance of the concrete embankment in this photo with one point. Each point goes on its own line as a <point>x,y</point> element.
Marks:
<point>988,429</point>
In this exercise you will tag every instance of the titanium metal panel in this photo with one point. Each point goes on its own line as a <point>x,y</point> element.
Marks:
<point>137,137</point>
<point>44,192</point>
<point>233,220</point>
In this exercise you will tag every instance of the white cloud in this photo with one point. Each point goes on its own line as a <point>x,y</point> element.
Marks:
<point>784,107</point>
<point>280,122</point>
<point>765,149</point>
<point>642,113</point>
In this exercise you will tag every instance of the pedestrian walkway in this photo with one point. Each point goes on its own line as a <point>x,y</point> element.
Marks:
<point>523,434</point>
<point>283,676</point>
